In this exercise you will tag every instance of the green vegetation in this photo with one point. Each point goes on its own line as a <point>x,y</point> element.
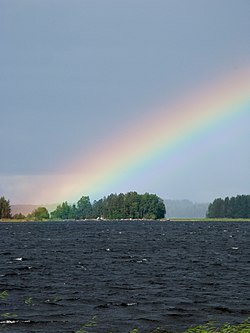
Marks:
<point>8,315</point>
<point>4,294</point>
<point>29,301</point>
<point>130,206</point>
<point>18,216</point>
<point>5,210</point>
<point>226,328</point>
<point>222,219</point>
<point>116,206</point>
<point>210,327</point>
<point>39,214</point>
<point>234,207</point>
<point>84,327</point>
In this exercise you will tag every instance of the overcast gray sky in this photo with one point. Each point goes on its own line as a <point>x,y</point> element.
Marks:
<point>75,72</point>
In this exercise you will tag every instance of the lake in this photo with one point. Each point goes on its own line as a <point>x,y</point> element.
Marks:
<point>56,276</point>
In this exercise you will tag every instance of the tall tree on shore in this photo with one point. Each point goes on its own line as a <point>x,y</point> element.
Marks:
<point>5,210</point>
<point>84,208</point>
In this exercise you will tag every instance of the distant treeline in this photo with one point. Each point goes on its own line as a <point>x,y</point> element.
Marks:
<point>126,206</point>
<point>115,206</point>
<point>234,207</point>
<point>185,209</point>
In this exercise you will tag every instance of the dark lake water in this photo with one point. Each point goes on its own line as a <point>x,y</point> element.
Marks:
<point>58,275</point>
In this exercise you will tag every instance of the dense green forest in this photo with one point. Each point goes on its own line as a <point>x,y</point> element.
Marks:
<point>115,206</point>
<point>234,207</point>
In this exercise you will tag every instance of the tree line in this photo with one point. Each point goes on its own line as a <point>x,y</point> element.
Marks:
<point>127,206</point>
<point>40,213</point>
<point>234,207</point>
<point>115,206</point>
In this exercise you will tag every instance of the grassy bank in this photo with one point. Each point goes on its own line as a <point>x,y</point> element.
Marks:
<point>162,220</point>
<point>21,220</point>
<point>210,220</point>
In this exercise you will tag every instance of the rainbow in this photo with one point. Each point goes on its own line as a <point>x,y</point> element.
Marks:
<point>165,130</point>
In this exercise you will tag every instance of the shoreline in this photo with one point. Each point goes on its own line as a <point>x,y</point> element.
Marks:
<point>130,220</point>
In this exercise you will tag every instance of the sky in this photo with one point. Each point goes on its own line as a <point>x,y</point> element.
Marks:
<point>76,74</point>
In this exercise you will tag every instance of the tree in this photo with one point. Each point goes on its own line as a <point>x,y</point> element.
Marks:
<point>84,208</point>
<point>62,211</point>
<point>41,213</point>
<point>132,205</point>
<point>152,207</point>
<point>73,212</point>
<point>227,208</point>
<point>18,216</point>
<point>216,209</point>
<point>5,210</point>
<point>97,209</point>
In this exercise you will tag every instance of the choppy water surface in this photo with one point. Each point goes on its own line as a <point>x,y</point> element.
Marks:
<point>128,274</point>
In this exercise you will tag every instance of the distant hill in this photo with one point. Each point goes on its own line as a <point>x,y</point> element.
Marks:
<point>185,209</point>
<point>27,209</point>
